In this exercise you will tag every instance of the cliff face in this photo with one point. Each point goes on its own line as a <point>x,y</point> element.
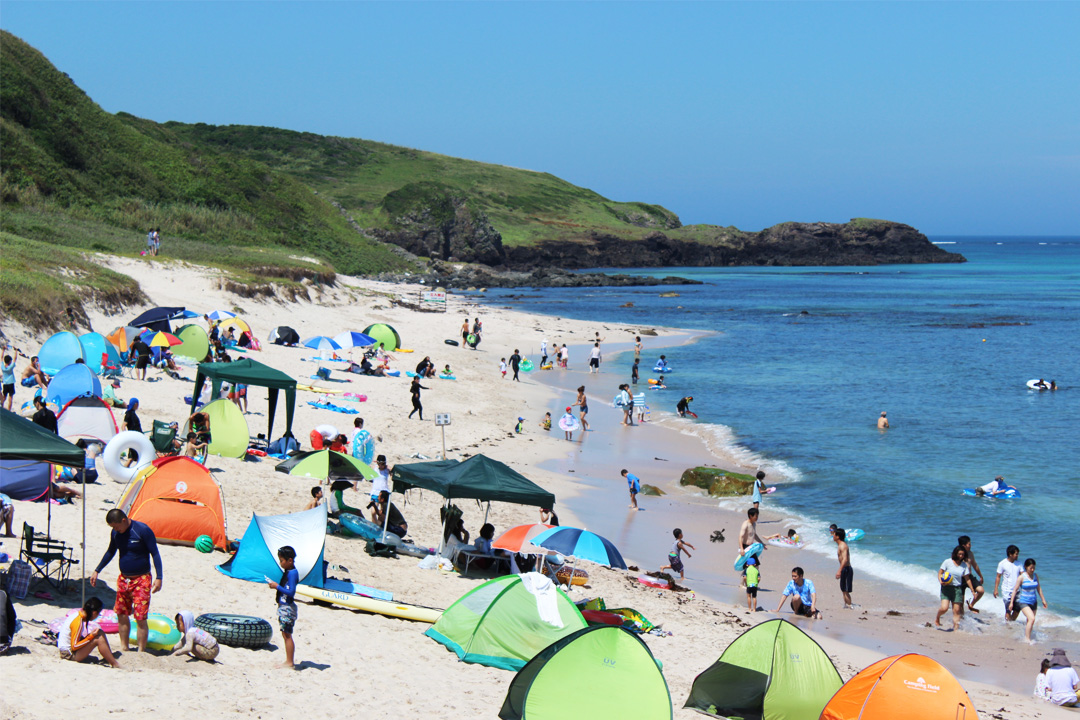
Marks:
<point>859,242</point>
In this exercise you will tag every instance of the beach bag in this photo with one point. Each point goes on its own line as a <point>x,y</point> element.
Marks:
<point>18,580</point>
<point>378,549</point>
<point>283,446</point>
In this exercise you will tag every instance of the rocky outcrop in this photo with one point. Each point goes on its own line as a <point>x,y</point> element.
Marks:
<point>718,482</point>
<point>433,221</point>
<point>463,277</point>
<point>859,242</point>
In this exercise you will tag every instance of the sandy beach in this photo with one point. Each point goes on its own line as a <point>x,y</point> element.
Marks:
<point>371,665</point>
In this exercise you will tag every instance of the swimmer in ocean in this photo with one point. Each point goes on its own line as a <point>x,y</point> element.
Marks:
<point>883,422</point>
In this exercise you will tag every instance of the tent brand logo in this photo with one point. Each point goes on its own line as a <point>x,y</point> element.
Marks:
<point>921,685</point>
<point>609,662</point>
<point>795,657</point>
<point>181,487</point>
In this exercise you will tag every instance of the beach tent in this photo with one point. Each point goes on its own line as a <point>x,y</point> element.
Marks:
<point>385,334</point>
<point>284,335</point>
<point>498,624</point>
<point>158,318</point>
<point>122,337</point>
<point>901,686</point>
<point>238,325</point>
<point>479,478</point>
<point>229,435</point>
<point>25,479</point>
<point>178,498</point>
<point>257,557</point>
<point>773,671</point>
<point>59,351</point>
<point>74,381</point>
<point>99,352</point>
<point>249,372</point>
<point>599,673</point>
<point>195,345</point>
<point>87,418</point>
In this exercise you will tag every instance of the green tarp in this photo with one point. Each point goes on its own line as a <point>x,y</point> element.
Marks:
<point>21,439</point>
<point>249,372</point>
<point>479,478</point>
<point>598,672</point>
<point>773,671</point>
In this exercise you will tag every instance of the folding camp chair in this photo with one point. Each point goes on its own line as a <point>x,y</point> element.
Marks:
<point>107,370</point>
<point>162,436</point>
<point>51,559</point>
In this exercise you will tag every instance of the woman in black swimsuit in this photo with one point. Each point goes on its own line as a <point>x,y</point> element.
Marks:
<point>415,390</point>
<point>584,403</point>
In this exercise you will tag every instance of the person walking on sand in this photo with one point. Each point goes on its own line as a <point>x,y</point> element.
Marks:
<point>803,595</point>
<point>583,403</point>
<point>478,332</point>
<point>845,574</point>
<point>286,600</point>
<point>753,580</point>
<point>635,487</point>
<point>1008,570</point>
<point>515,364</point>
<point>137,546</point>
<point>759,485</point>
<point>415,389</point>
<point>748,533</point>
<point>674,561</point>
<point>976,574</point>
<point>1023,598</point>
<point>502,367</point>
<point>883,422</point>
<point>465,334</point>
<point>954,576</point>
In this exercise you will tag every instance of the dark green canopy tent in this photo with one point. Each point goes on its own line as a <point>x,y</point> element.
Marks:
<point>479,478</point>
<point>21,439</point>
<point>249,372</point>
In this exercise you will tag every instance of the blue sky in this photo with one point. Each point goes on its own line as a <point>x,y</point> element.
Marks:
<point>957,118</point>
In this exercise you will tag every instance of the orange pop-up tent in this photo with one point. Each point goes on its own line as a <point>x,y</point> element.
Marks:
<point>178,498</point>
<point>898,687</point>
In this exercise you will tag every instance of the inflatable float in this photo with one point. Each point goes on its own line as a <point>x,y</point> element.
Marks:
<point>455,343</point>
<point>632,619</point>
<point>447,377</point>
<point>368,530</point>
<point>1010,494</point>
<point>785,543</point>
<point>600,617</point>
<point>124,442</point>
<point>663,370</point>
<point>752,551</point>
<point>393,373</point>
<point>526,365</point>
<point>853,534</point>
<point>417,613</point>
<point>321,391</point>
<point>163,633</point>
<point>654,582</point>
<point>581,577</point>
<point>569,424</point>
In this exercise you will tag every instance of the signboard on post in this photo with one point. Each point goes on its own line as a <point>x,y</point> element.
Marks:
<point>441,421</point>
<point>435,299</point>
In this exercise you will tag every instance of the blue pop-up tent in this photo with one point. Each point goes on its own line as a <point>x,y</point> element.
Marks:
<point>257,560</point>
<point>59,351</point>
<point>72,382</point>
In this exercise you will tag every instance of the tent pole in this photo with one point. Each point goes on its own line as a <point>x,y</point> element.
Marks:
<point>486,512</point>
<point>82,564</point>
<point>446,517</point>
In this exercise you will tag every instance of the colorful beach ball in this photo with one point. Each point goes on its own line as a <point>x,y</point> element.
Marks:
<point>204,544</point>
<point>945,577</point>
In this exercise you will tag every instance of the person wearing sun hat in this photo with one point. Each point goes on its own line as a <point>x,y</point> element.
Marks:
<point>1062,680</point>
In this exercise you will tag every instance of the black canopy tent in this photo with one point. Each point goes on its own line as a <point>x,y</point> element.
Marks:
<point>21,439</point>
<point>249,372</point>
<point>158,318</point>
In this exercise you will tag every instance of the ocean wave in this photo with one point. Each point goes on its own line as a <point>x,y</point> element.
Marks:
<point>722,441</point>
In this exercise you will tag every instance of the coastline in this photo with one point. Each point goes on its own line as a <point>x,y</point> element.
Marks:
<point>335,646</point>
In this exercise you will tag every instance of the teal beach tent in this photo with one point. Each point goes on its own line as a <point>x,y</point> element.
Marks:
<point>257,560</point>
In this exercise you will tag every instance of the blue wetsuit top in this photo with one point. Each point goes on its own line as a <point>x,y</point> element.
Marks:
<point>287,587</point>
<point>136,545</point>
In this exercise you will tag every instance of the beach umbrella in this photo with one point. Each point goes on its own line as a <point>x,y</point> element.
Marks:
<point>122,337</point>
<point>163,339</point>
<point>322,344</point>
<point>325,464</point>
<point>188,314</point>
<point>581,544</point>
<point>221,315</point>
<point>352,338</point>
<point>518,539</point>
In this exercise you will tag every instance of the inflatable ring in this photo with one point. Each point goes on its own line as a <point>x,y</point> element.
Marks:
<point>236,630</point>
<point>127,440</point>
<point>451,342</point>
<point>163,633</point>
<point>107,621</point>
<point>526,365</point>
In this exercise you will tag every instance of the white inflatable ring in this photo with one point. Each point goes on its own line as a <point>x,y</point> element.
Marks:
<point>127,440</point>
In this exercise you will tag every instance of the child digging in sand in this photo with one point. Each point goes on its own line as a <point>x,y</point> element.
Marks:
<point>678,547</point>
<point>286,600</point>
<point>195,642</point>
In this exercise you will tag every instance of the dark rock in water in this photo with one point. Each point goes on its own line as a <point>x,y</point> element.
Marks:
<point>718,482</point>
<point>627,305</point>
<point>651,490</point>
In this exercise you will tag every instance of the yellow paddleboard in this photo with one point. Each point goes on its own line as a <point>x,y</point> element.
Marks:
<point>371,605</point>
<point>403,350</point>
<point>321,391</point>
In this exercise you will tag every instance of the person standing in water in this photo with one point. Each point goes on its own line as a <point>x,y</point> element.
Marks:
<point>759,485</point>
<point>883,422</point>
<point>594,358</point>
<point>583,402</point>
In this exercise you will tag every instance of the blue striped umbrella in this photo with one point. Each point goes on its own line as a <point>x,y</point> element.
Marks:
<point>221,315</point>
<point>581,544</point>
<point>352,338</point>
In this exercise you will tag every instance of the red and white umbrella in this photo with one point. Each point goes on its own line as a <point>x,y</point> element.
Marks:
<point>517,539</point>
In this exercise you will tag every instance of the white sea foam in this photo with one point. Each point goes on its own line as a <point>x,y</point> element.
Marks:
<point>722,441</point>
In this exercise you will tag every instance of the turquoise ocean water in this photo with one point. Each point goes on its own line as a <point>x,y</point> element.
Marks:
<point>944,349</point>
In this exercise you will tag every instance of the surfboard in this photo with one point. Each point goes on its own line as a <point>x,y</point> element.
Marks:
<point>752,551</point>
<point>404,611</point>
<point>1010,494</point>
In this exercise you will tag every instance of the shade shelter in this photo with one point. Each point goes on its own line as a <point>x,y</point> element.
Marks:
<point>229,434</point>
<point>385,334</point>
<point>257,557</point>
<point>59,351</point>
<point>249,372</point>
<point>21,439</point>
<point>99,352</point>
<point>195,345</point>
<point>284,335</point>
<point>901,686</point>
<point>773,671</point>
<point>158,318</point>
<point>178,498</point>
<point>76,380</point>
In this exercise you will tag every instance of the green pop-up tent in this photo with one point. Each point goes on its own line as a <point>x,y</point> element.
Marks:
<point>773,671</point>
<point>249,372</point>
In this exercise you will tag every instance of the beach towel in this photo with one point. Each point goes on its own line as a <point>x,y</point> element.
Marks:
<point>332,406</point>
<point>544,591</point>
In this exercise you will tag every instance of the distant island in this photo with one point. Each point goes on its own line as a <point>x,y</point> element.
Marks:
<point>275,209</point>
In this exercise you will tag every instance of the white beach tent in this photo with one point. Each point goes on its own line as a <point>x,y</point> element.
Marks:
<point>87,418</point>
